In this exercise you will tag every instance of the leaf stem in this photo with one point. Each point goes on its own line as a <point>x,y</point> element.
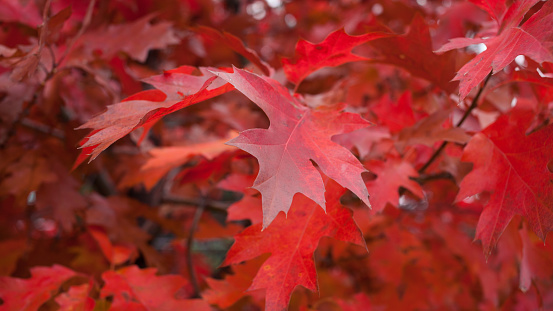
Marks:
<point>473,105</point>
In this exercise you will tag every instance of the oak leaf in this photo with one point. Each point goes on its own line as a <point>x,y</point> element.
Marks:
<point>76,298</point>
<point>292,242</point>
<point>296,136</point>
<point>136,38</point>
<point>237,45</point>
<point>29,294</point>
<point>430,130</point>
<point>413,52</point>
<point>533,39</point>
<point>136,289</point>
<point>176,89</point>
<point>224,293</point>
<point>333,51</point>
<point>496,8</point>
<point>516,168</point>
<point>162,160</point>
<point>391,175</point>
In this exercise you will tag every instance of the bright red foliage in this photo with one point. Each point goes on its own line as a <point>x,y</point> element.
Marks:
<point>297,135</point>
<point>236,146</point>
<point>515,167</point>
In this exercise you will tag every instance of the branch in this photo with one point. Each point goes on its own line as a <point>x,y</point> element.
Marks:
<point>210,205</point>
<point>427,177</point>
<point>473,105</point>
<point>189,242</point>
<point>86,23</point>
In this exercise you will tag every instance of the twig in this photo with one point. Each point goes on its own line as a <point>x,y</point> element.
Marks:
<point>189,242</point>
<point>210,205</point>
<point>86,23</point>
<point>44,30</point>
<point>427,177</point>
<point>473,105</point>
<point>43,128</point>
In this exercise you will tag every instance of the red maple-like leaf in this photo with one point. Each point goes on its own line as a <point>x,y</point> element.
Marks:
<point>176,89</point>
<point>135,289</point>
<point>135,38</point>
<point>333,51</point>
<point>76,299</point>
<point>533,39</point>
<point>391,175</point>
<point>162,160</point>
<point>496,8</point>
<point>249,207</point>
<point>291,242</point>
<point>237,45</point>
<point>29,294</point>
<point>430,130</point>
<point>413,52</point>
<point>395,116</point>
<point>513,166</point>
<point>225,293</point>
<point>296,136</point>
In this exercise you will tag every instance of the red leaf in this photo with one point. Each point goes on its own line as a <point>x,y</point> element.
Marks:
<point>176,89</point>
<point>135,289</point>
<point>225,293</point>
<point>333,51</point>
<point>495,8</point>
<point>297,135</point>
<point>249,207</point>
<point>513,166</point>
<point>536,259</point>
<point>430,130</point>
<point>135,38</point>
<point>30,294</point>
<point>238,46</point>
<point>115,254</point>
<point>392,174</point>
<point>162,160</point>
<point>533,39</point>
<point>76,299</point>
<point>291,242</point>
<point>413,52</point>
<point>11,251</point>
<point>395,116</point>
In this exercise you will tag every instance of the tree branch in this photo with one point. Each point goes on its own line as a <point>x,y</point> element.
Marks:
<point>210,205</point>
<point>473,105</point>
<point>189,242</point>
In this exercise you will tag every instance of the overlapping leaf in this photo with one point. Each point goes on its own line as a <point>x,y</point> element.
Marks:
<point>76,299</point>
<point>391,175</point>
<point>136,289</point>
<point>534,39</point>
<point>29,294</point>
<point>237,45</point>
<point>291,241</point>
<point>135,38</point>
<point>176,89</point>
<point>516,168</point>
<point>412,51</point>
<point>297,135</point>
<point>333,51</point>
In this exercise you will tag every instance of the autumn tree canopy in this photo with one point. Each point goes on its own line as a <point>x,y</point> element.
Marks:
<point>273,155</point>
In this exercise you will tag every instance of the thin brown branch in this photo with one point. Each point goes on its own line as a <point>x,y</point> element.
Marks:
<point>189,242</point>
<point>428,177</point>
<point>210,205</point>
<point>44,30</point>
<point>43,128</point>
<point>86,23</point>
<point>472,106</point>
